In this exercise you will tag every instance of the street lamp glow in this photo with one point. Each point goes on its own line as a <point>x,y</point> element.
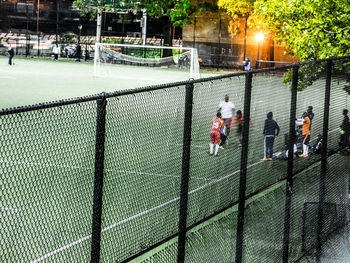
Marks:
<point>259,37</point>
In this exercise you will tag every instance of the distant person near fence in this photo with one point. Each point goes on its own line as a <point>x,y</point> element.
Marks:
<point>11,55</point>
<point>56,51</point>
<point>246,64</point>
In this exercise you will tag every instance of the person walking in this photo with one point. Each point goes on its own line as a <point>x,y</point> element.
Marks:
<point>227,109</point>
<point>216,125</point>
<point>271,130</point>
<point>11,55</point>
<point>56,51</point>
<point>306,135</point>
<point>239,121</point>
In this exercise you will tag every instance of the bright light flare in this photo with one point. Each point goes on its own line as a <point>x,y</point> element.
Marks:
<point>259,37</point>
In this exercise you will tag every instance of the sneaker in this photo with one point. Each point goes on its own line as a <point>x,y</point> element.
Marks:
<point>211,154</point>
<point>264,159</point>
<point>216,155</point>
<point>239,145</point>
<point>305,155</point>
<point>220,147</point>
<point>270,159</point>
<point>301,155</point>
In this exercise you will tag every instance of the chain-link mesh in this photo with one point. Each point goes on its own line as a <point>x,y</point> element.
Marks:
<point>142,171</point>
<point>47,164</point>
<point>246,204</point>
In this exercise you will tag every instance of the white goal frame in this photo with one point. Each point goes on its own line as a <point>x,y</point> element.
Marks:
<point>194,63</point>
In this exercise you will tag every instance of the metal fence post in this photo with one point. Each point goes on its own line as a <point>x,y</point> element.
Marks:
<point>324,157</point>
<point>289,183</point>
<point>185,173</point>
<point>243,173</point>
<point>98,181</point>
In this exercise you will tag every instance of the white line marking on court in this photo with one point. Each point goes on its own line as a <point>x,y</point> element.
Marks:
<point>61,249</point>
<point>5,209</point>
<point>141,214</point>
<point>137,215</point>
<point>91,169</point>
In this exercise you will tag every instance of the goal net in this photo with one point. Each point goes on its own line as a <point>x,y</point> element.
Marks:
<point>109,57</point>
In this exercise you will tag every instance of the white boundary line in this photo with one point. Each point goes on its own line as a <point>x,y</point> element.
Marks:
<point>92,169</point>
<point>137,215</point>
<point>5,209</point>
<point>141,214</point>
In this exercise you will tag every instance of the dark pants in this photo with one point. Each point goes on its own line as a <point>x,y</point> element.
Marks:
<point>223,138</point>
<point>10,60</point>
<point>268,143</point>
<point>56,56</point>
<point>344,140</point>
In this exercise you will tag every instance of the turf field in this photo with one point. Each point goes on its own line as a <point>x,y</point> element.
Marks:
<point>47,159</point>
<point>31,81</point>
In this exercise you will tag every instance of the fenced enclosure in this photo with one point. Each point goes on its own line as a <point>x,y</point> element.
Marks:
<point>127,176</point>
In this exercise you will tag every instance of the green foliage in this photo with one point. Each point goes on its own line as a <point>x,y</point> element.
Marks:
<point>238,8</point>
<point>178,11</point>
<point>309,29</point>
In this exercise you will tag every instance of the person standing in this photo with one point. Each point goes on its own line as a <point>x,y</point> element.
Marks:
<point>11,55</point>
<point>216,125</point>
<point>78,54</point>
<point>310,114</point>
<point>271,130</point>
<point>56,51</point>
<point>306,135</point>
<point>345,130</point>
<point>227,109</point>
<point>239,120</point>
<point>246,64</point>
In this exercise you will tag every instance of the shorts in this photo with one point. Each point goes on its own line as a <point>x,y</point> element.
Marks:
<point>215,137</point>
<point>227,122</point>
<point>307,139</point>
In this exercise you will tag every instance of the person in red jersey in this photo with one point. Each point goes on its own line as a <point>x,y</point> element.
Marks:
<point>216,125</point>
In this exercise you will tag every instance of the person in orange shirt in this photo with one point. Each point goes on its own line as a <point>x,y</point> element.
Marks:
<point>239,121</point>
<point>216,125</point>
<point>306,134</point>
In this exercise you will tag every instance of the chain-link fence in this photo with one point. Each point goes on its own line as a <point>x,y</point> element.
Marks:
<point>127,176</point>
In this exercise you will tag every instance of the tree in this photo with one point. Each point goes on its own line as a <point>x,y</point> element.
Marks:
<point>309,29</point>
<point>169,12</point>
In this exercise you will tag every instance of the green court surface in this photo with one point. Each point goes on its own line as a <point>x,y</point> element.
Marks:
<point>31,81</point>
<point>47,158</point>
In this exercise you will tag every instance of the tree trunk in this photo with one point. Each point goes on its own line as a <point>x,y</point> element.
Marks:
<point>167,34</point>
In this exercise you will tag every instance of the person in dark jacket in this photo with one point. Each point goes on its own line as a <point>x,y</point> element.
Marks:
<point>271,130</point>
<point>11,54</point>
<point>345,130</point>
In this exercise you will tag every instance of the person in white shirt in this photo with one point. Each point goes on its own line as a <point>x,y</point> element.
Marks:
<point>227,109</point>
<point>246,64</point>
<point>56,51</point>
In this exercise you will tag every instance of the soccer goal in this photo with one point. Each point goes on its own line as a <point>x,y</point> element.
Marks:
<point>109,57</point>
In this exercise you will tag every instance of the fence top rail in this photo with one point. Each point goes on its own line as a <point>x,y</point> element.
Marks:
<point>59,103</point>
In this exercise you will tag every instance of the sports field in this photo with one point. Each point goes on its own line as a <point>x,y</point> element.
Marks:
<point>31,81</point>
<point>47,158</point>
